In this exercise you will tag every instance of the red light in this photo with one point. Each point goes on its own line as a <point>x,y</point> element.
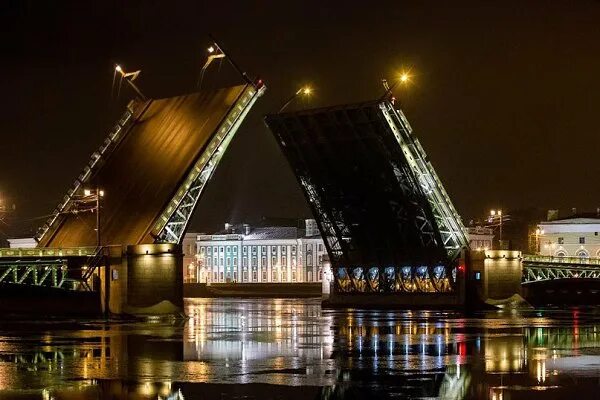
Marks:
<point>461,268</point>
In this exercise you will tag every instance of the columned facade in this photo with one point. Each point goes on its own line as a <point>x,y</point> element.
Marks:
<point>249,254</point>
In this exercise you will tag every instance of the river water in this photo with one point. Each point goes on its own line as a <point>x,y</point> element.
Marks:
<point>291,349</point>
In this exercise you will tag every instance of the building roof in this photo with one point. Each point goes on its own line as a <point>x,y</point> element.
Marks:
<point>575,219</point>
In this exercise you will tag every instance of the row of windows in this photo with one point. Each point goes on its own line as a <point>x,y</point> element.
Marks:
<point>275,277</point>
<point>253,249</point>
<point>561,240</point>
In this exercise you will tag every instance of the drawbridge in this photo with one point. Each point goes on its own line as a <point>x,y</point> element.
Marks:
<point>152,169</point>
<point>388,224</point>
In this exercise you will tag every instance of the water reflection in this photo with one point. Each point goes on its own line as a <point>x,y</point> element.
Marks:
<point>291,348</point>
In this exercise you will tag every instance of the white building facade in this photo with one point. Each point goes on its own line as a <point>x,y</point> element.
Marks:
<point>480,238</point>
<point>569,237</point>
<point>249,254</point>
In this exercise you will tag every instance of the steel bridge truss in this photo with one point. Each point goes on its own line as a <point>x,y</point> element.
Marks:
<point>408,279</point>
<point>448,221</point>
<point>48,273</point>
<point>53,268</point>
<point>173,221</point>
<point>540,273</point>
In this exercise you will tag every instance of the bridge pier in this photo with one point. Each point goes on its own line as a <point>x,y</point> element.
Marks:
<point>143,280</point>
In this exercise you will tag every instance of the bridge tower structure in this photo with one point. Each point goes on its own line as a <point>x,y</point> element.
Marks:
<point>392,233</point>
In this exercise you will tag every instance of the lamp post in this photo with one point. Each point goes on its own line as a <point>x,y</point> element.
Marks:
<point>303,91</point>
<point>403,79</point>
<point>538,232</point>
<point>497,214</point>
<point>95,196</point>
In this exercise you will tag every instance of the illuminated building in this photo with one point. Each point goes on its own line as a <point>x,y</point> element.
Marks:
<point>576,236</point>
<point>273,254</point>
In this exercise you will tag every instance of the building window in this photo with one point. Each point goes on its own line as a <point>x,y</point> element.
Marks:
<point>284,276</point>
<point>274,249</point>
<point>216,277</point>
<point>221,249</point>
<point>208,250</point>
<point>234,249</point>
<point>309,260</point>
<point>235,276</point>
<point>274,276</point>
<point>284,262</point>
<point>254,261</point>
<point>263,261</point>
<point>581,240</point>
<point>245,276</point>
<point>228,249</point>
<point>229,261</point>
<point>228,276</point>
<point>561,240</point>
<point>254,249</point>
<point>309,247</point>
<point>264,275</point>
<point>235,261</point>
<point>320,246</point>
<point>293,249</point>
<point>283,249</point>
<point>273,261</point>
<point>202,248</point>
<point>245,250</point>
<point>294,275</point>
<point>244,262</point>
<point>320,274</point>
<point>221,261</point>
<point>582,254</point>
<point>254,276</point>
<point>215,249</point>
<point>209,262</point>
<point>263,249</point>
<point>221,276</point>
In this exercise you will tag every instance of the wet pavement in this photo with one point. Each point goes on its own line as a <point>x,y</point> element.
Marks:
<point>288,349</point>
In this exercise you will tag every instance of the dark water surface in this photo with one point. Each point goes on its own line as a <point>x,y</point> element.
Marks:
<point>291,349</point>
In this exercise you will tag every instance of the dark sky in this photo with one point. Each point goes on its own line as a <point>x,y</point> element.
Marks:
<point>505,97</point>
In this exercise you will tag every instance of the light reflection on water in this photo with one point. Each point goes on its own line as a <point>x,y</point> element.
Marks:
<point>306,353</point>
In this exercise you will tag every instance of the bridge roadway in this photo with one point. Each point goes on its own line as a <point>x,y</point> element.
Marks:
<point>144,171</point>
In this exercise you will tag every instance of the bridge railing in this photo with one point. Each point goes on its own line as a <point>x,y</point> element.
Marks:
<point>529,258</point>
<point>44,252</point>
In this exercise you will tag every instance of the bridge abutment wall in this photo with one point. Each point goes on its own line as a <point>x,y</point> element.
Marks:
<point>143,280</point>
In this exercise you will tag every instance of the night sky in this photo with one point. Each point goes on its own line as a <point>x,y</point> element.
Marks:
<point>505,95</point>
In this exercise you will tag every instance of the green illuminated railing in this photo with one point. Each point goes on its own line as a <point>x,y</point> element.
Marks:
<point>47,252</point>
<point>529,258</point>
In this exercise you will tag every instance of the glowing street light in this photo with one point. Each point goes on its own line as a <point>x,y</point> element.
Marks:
<point>498,214</point>
<point>303,91</point>
<point>404,78</point>
<point>94,195</point>
<point>130,77</point>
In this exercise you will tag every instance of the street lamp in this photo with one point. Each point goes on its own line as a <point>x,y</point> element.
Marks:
<point>403,79</point>
<point>493,215</point>
<point>94,195</point>
<point>303,91</point>
<point>538,233</point>
<point>130,77</point>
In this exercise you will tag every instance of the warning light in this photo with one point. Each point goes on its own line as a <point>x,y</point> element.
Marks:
<point>461,268</point>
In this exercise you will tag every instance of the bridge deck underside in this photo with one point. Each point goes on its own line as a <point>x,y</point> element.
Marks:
<point>144,171</point>
<point>368,203</point>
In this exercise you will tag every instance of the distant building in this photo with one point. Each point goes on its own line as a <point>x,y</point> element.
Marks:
<point>575,236</point>
<point>480,238</point>
<point>22,243</point>
<point>243,253</point>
